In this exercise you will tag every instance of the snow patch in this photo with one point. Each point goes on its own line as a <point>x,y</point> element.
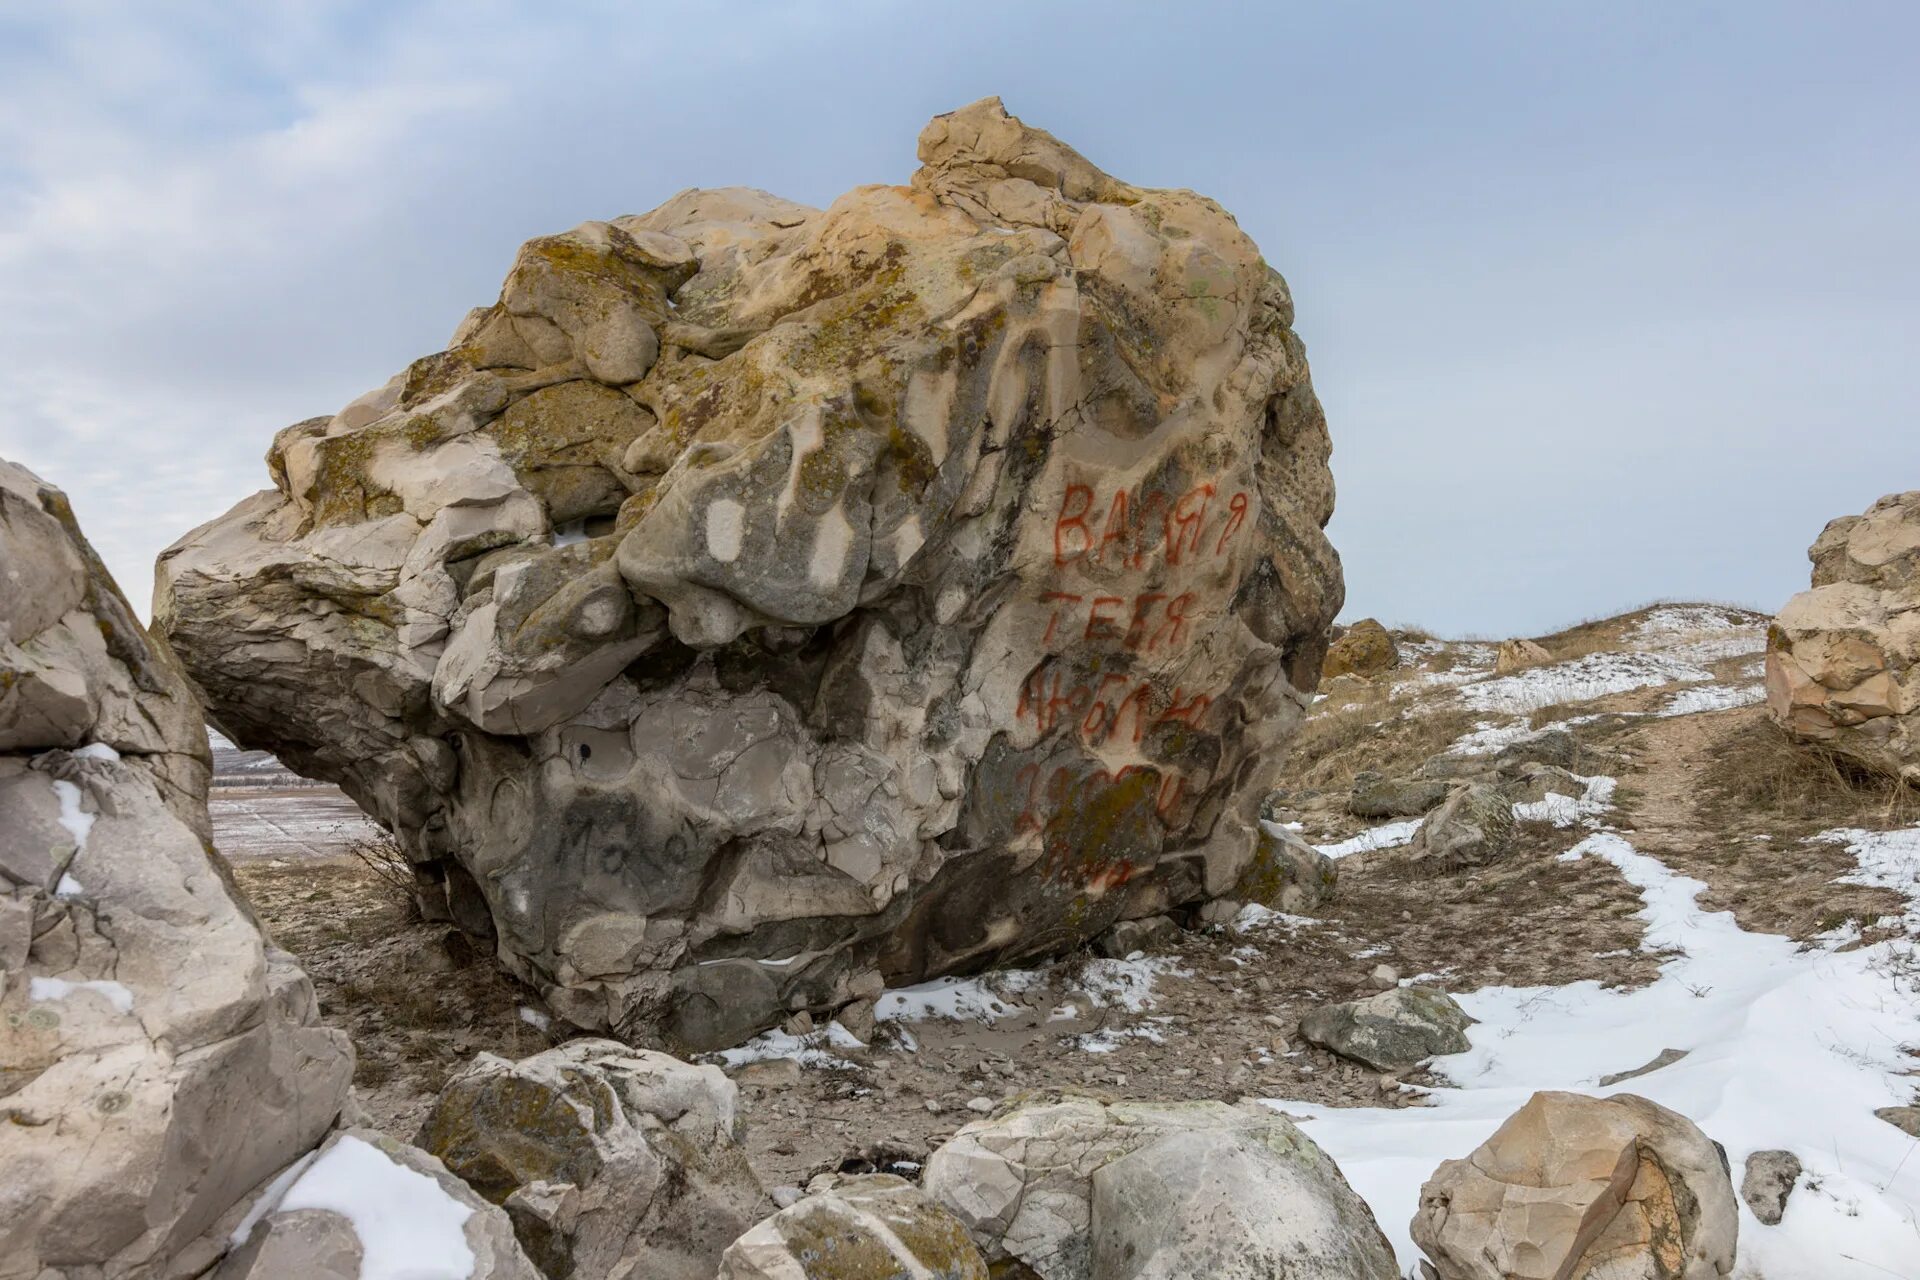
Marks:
<point>96,751</point>
<point>1386,836</point>
<point>1583,679</point>
<point>1711,697</point>
<point>115,994</point>
<point>68,888</point>
<point>77,821</point>
<point>1564,811</point>
<point>808,1050</point>
<point>409,1227</point>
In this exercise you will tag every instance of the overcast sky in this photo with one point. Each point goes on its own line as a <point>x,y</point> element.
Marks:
<point>1606,302</point>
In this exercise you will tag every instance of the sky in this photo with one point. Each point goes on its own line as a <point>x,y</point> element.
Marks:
<point>1606,302</point>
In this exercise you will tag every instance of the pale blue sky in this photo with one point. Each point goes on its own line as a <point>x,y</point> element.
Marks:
<point>1605,302</point>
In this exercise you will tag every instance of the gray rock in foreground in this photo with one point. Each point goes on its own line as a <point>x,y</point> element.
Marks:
<point>1392,1031</point>
<point>159,1058</point>
<point>365,1203</point>
<point>856,1228</point>
<point>610,1161</point>
<point>1054,1188</point>
<point>1768,1181</point>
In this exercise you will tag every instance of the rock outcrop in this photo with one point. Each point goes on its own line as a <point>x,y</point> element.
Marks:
<point>610,1161</point>
<point>1364,649</point>
<point>1517,655</point>
<point>159,1058</point>
<point>873,1225</point>
<point>759,602</point>
<point>1472,827</point>
<point>1078,1190</point>
<point>1843,659</point>
<point>1573,1186</point>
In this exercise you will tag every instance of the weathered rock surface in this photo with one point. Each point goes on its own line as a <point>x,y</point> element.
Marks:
<point>1472,828</point>
<point>1768,1181</point>
<point>611,1162</point>
<point>875,1225</point>
<point>1233,1204</point>
<point>1516,655</point>
<point>1843,659</point>
<point>1287,874</point>
<point>1365,649</point>
<point>364,1205</point>
<point>757,600</point>
<point>1392,1031</point>
<point>1572,1186</point>
<point>1376,796</point>
<point>1043,1187</point>
<point>158,1057</point>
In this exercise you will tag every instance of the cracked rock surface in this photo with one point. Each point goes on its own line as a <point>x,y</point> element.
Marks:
<point>1843,659</point>
<point>760,604</point>
<point>852,1228</point>
<point>1078,1190</point>
<point>1577,1186</point>
<point>158,1057</point>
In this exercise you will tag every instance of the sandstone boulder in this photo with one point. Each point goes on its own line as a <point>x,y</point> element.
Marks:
<point>1572,1186</point>
<point>159,1058</point>
<point>1287,873</point>
<point>757,601</point>
<point>875,1225</point>
<point>365,1205</point>
<point>612,1162</point>
<point>1472,828</point>
<point>1843,659</point>
<point>1516,655</point>
<point>1393,1031</point>
<point>1046,1187</point>
<point>1365,649</point>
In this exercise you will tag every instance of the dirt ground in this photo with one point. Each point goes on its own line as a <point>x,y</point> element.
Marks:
<point>1226,1006</point>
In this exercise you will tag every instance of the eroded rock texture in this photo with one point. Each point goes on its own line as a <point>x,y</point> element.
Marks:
<point>761,602</point>
<point>1843,659</point>
<point>158,1058</point>
<point>1579,1188</point>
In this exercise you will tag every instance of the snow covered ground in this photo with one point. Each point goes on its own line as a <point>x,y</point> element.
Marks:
<point>1784,1047</point>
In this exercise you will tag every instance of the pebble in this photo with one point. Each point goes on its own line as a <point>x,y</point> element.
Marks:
<point>982,1105</point>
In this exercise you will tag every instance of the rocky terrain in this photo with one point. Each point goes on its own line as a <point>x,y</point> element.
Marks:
<point>878,663</point>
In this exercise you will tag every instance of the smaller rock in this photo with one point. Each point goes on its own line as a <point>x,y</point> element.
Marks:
<point>1515,655</point>
<point>1905,1119</point>
<point>858,1018</point>
<point>1393,1031</point>
<point>769,1073</point>
<point>854,1227</point>
<point>800,1024</point>
<point>1364,649</point>
<point>1385,977</point>
<point>1286,873</point>
<point>1219,911</point>
<point>785,1197</point>
<point>1533,782</point>
<point>1665,1058</point>
<point>362,1181</point>
<point>1473,828</point>
<point>1123,939</point>
<point>1769,1180</point>
<point>983,1106</point>
<point>1375,796</point>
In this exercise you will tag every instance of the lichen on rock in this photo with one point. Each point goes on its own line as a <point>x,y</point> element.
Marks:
<point>758,602</point>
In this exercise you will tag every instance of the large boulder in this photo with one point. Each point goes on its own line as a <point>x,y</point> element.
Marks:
<point>611,1162</point>
<point>758,602</point>
<point>1574,1187</point>
<point>1080,1190</point>
<point>365,1205</point>
<point>159,1058</point>
<point>857,1228</point>
<point>1364,649</point>
<point>1843,659</point>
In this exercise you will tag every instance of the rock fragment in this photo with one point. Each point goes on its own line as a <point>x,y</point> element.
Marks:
<point>1392,1031</point>
<point>1767,1182</point>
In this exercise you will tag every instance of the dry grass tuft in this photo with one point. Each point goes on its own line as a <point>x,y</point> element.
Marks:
<point>1377,733</point>
<point>1759,775</point>
<point>383,858</point>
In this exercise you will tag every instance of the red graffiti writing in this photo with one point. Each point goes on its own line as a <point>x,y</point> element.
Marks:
<point>1098,711</point>
<point>1127,528</point>
<point>1046,794</point>
<point>1145,622</point>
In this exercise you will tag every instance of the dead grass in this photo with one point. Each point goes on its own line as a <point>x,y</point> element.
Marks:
<point>1379,733</point>
<point>389,868</point>
<point>1759,778</point>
